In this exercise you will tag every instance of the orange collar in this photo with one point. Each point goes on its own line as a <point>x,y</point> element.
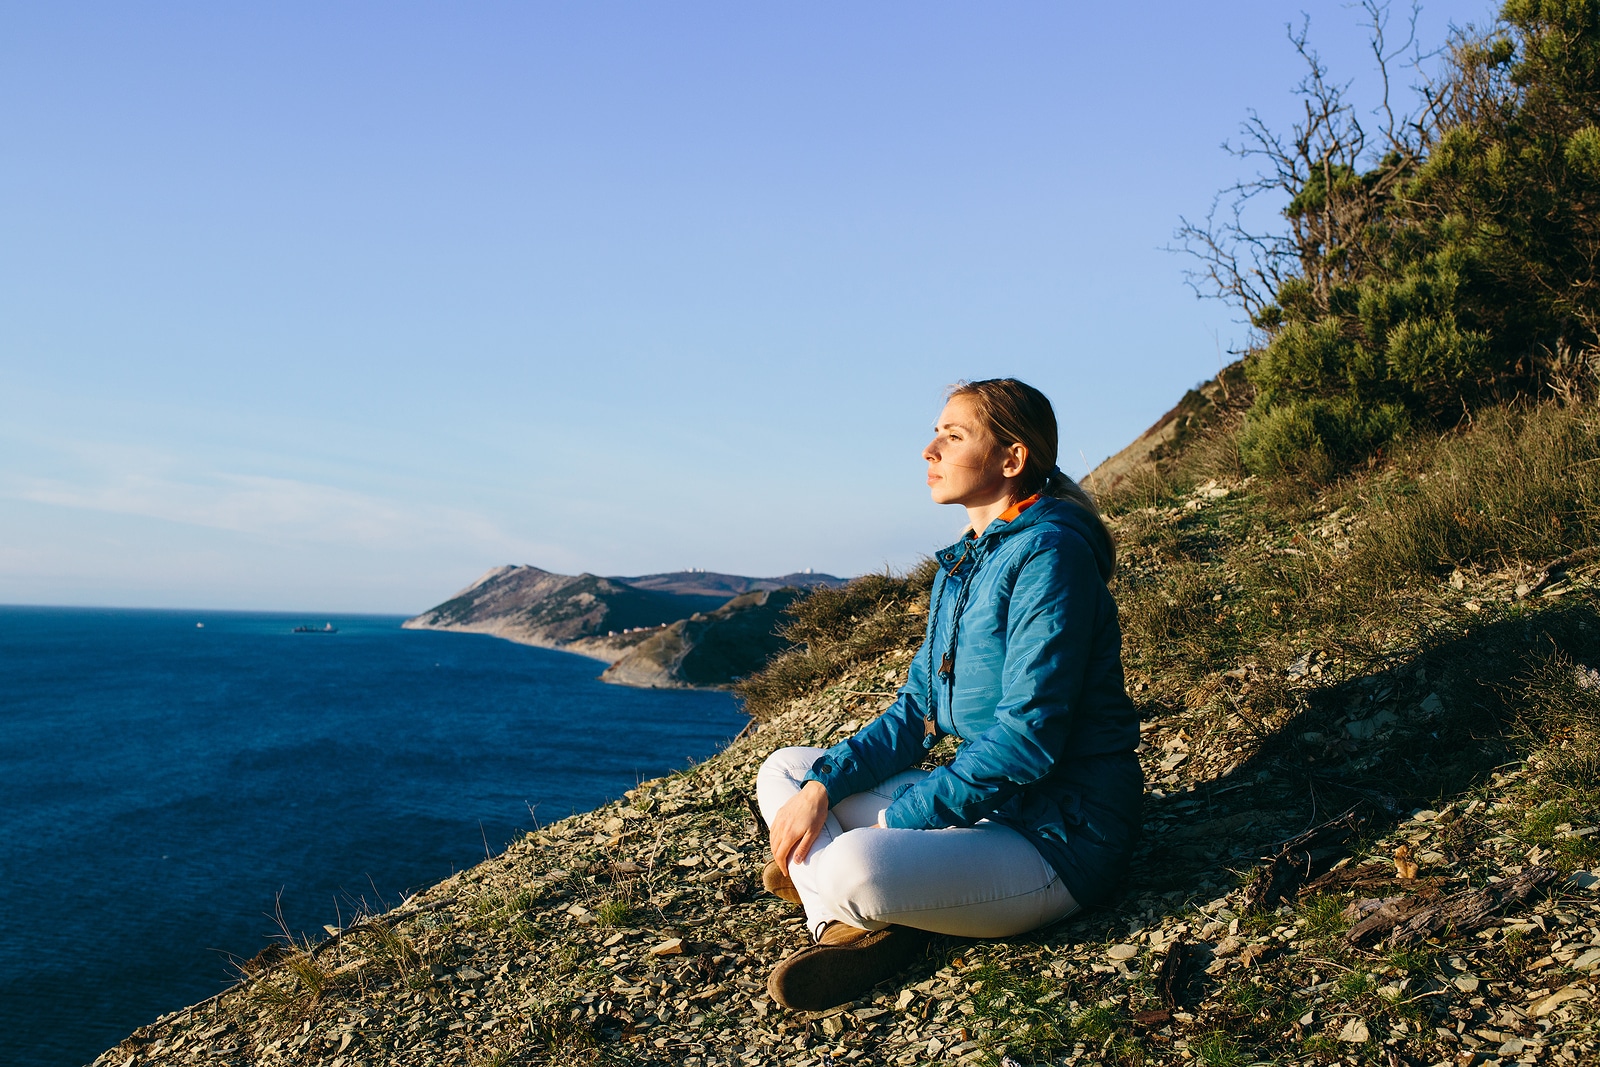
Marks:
<point>1018,508</point>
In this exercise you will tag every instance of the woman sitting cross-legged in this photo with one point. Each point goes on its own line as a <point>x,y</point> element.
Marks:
<point>1022,661</point>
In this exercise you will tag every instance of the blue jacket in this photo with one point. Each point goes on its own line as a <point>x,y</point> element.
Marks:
<point>1035,693</point>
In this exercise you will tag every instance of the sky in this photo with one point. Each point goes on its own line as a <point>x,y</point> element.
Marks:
<point>332,307</point>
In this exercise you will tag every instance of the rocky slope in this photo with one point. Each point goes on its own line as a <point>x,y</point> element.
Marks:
<point>708,649</point>
<point>1372,746</point>
<point>1349,858</point>
<point>1206,406</point>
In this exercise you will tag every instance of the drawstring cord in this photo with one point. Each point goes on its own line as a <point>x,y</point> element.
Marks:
<point>947,664</point>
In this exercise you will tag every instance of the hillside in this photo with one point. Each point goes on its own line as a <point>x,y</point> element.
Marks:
<point>1372,719</point>
<point>538,607</point>
<point>1211,404</point>
<point>708,649</point>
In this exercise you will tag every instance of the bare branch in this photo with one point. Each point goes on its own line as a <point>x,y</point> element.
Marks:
<point>1331,182</point>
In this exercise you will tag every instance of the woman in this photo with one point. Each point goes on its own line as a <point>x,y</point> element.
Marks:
<point>1037,813</point>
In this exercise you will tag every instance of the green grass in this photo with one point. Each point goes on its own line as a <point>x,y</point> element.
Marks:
<point>498,910</point>
<point>1521,484</point>
<point>1095,1025</point>
<point>1322,916</point>
<point>1320,1048</point>
<point>1247,998</point>
<point>392,953</point>
<point>1353,987</point>
<point>557,1037</point>
<point>1560,723</point>
<point>1218,1049</point>
<point>615,911</point>
<point>1549,824</point>
<point>1417,961</point>
<point>1009,1016</point>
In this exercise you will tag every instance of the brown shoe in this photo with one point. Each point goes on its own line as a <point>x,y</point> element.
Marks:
<point>777,883</point>
<point>844,963</point>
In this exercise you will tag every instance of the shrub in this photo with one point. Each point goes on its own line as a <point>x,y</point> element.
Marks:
<point>1313,439</point>
<point>1436,269</point>
<point>836,629</point>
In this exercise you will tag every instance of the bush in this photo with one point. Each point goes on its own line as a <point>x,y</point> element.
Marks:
<point>836,629</point>
<point>1314,439</point>
<point>1452,269</point>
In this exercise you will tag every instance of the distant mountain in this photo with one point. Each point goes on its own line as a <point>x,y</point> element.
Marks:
<point>709,583</point>
<point>709,649</point>
<point>687,628</point>
<point>538,607</point>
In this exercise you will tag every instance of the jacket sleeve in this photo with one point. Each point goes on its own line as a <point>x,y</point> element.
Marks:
<point>884,747</point>
<point>1049,633</point>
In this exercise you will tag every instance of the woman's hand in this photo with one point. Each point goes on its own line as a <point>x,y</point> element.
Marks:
<point>798,824</point>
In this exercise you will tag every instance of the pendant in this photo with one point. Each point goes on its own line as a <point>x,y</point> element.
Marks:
<point>947,663</point>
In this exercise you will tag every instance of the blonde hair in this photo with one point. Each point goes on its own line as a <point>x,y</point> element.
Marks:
<point>1015,412</point>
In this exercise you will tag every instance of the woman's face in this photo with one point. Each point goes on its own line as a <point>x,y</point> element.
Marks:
<point>965,464</point>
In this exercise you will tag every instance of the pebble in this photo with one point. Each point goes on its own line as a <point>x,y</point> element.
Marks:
<point>1555,1000</point>
<point>1355,1031</point>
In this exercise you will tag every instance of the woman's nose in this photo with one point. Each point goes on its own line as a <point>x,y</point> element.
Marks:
<point>928,453</point>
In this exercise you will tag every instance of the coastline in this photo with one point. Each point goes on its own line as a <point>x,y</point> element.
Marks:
<point>606,650</point>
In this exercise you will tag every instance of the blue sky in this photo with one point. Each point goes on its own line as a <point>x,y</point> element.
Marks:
<point>334,306</point>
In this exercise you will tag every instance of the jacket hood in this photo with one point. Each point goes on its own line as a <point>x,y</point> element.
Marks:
<point>1068,515</point>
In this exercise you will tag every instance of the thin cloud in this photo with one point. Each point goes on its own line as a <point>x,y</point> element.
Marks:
<point>276,508</point>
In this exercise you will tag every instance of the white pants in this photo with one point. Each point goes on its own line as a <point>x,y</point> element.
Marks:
<point>985,880</point>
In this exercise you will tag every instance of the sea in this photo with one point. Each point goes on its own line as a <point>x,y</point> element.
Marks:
<point>180,788</point>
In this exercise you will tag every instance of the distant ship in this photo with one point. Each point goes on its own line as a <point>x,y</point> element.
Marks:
<point>327,629</point>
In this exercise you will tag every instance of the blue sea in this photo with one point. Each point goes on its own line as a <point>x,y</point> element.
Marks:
<point>168,786</point>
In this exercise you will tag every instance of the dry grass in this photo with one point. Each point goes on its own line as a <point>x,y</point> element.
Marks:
<point>836,629</point>
<point>1559,720</point>
<point>1521,486</point>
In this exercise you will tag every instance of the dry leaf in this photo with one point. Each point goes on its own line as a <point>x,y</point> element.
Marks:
<point>1252,953</point>
<point>1405,868</point>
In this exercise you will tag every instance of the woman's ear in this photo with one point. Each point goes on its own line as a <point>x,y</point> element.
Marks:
<point>1016,460</point>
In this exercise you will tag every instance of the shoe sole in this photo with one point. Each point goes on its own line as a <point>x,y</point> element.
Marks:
<point>774,881</point>
<point>825,976</point>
